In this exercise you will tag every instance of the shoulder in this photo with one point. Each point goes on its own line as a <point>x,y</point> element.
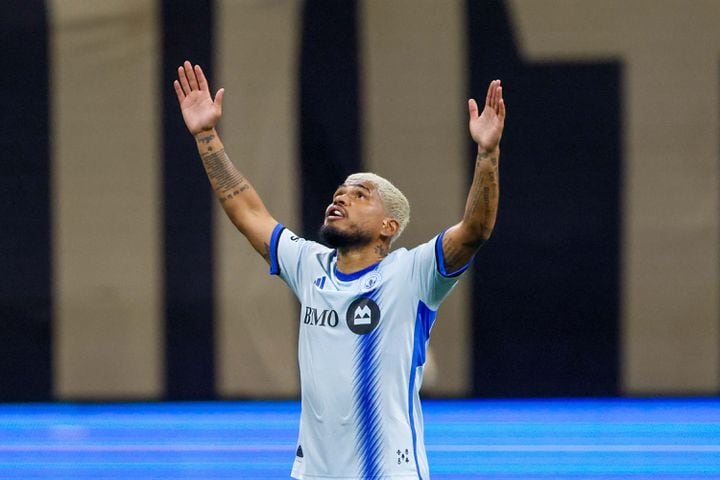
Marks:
<point>427,248</point>
<point>402,257</point>
<point>288,238</point>
<point>289,251</point>
<point>396,257</point>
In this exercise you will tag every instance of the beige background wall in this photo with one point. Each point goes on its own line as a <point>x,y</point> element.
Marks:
<point>106,199</point>
<point>257,57</point>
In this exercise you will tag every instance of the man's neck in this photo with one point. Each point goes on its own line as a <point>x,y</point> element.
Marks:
<point>355,259</point>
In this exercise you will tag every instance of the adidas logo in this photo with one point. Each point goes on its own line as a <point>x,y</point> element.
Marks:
<point>320,282</point>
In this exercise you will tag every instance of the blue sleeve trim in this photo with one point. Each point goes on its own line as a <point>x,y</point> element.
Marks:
<point>440,259</point>
<point>274,241</point>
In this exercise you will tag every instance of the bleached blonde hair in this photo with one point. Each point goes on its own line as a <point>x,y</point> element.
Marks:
<point>395,203</point>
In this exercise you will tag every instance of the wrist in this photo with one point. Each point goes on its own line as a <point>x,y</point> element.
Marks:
<point>488,152</point>
<point>208,141</point>
<point>202,135</point>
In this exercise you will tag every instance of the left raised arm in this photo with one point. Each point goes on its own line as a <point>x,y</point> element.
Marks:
<point>462,240</point>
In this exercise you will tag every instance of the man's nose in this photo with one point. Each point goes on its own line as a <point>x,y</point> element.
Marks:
<point>341,199</point>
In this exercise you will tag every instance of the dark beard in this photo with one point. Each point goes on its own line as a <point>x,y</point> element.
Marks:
<point>334,238</point>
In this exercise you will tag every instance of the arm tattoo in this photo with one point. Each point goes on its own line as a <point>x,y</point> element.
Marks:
<point>206,139</point>
<point>479,211</point>
<point>457,255</point>
<point>484,155</point>
<point>484,186</point>
<point>453,253</point>
<point>221,170</point>
<point>486,199</point>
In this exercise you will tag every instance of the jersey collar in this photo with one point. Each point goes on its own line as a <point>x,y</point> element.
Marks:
<point>349,277</point>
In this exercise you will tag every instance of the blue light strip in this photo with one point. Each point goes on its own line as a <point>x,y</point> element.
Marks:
<point>563,439</point>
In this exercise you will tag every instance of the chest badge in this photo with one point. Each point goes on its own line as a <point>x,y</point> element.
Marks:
<point>370,282</point>
<point>363,315</point>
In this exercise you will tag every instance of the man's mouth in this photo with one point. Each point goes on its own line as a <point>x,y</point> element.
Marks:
<point>335,213</point>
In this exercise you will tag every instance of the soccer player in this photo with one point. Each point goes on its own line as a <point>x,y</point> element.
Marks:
<point>366,312</point>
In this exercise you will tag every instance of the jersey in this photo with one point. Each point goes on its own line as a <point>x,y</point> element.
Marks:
<point>361,351</point>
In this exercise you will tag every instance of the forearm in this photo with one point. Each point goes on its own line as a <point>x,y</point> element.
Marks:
<point>482,201</point>
<point>461,241</point>
<point>237,196</point>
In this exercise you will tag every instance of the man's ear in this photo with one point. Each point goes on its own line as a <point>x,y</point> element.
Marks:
<point>390,227</point>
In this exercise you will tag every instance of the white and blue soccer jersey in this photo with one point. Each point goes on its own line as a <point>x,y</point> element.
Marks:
<point>361,352</point>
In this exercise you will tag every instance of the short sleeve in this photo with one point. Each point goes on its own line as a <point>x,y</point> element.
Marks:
<point>430,274</point>
<point>288,252</point>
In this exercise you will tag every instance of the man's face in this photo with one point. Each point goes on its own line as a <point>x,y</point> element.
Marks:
<point>355,216</point>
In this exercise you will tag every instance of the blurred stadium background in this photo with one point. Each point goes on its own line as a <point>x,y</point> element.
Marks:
<point>121,280</point>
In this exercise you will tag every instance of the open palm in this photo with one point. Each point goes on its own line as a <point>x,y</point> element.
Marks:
<point>199,110</point>
<point>486,128</point>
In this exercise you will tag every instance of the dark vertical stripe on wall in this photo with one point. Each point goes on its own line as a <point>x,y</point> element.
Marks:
<point>189,348</point>
<point>25,298</point>
<point>546,288</point>
<point>330,138</point>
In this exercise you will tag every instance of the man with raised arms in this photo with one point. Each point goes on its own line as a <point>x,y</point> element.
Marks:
<point>366,312</point>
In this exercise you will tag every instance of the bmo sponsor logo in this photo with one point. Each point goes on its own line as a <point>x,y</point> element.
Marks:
<point>362,316</point>
<point>321,318</point>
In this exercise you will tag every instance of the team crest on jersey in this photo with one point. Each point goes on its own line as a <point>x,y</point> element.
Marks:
<point>363,315</point>
<point>371,281</point>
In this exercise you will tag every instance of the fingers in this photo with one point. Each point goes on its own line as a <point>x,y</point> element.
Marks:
<point>500,109</point>
<point>183,81</point>
<point>190,72</point>
<point>191,78</point>
<point>494,94</point>
<point>219,98</point>
<point>179,91</point>
<point>473,108</point>
<point>202,81</point>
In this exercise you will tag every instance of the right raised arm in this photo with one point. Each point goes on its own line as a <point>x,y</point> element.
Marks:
<point>239,199</point>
